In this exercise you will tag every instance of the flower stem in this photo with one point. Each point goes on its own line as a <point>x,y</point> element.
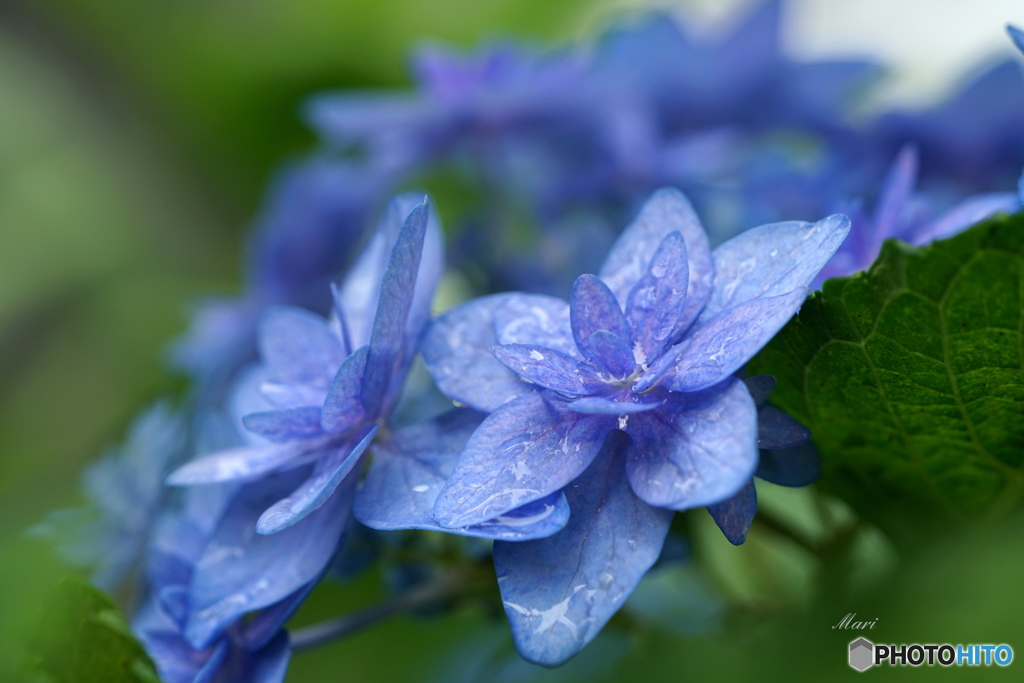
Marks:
<point>418,597</point>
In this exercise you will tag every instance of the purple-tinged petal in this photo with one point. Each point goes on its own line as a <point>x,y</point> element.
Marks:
<point>665,212</point>
<point>622,402</point>
<point>286,396</point>
<point>549,368</point>
<point>328,475</point>
<point>297,347</point>
<point>722,345</point>
<point>410,469</point>
<point>776,429</point>
<point>760,388</point>
<point>270,663</point>
<point>1016,35</point>
<point>343,407</point>
<point>696,449</point>
<point>658,301</point>
<point>262,628</point>
<point>524,451</point>
<point>236,464</point>
<point>613,353</point>
<point>241,571</point>
<point>282,426</point>
<point>734,515</point>
<point>397,290</point>
<point>457,351</point>
<point>893,198</point>
<point>772,260</point>
<point>593,307</point>
<point>797,466</point>
<point>965,214</point>
<point>560,591</point>
<point>534,319</point>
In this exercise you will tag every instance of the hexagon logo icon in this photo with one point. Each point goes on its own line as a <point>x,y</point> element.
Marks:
<point>862,654</point>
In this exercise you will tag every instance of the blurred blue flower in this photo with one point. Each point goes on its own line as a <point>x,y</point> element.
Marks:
<point>315,214</point>
<point>125,492</point>
<point>623,401</point>
<point>324,386</point>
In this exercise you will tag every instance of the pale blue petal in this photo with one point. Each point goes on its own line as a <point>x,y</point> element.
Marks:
<point>270,664</point>
<point>965,214</point>
<point>658,303</point>
<point>397,291</point>
<point>329,473</point>
<point>665,212</point>
<point>1017,36</point>
<point>298,347</point>
<point>560,591</point>
<point>236,464</point>
<point>535,319</point>
<point>797,466</point>
<point>696,449</point>
<point>267,624</point>
<point>776,429</point>
<point>593,307</point>
<point>457,351</point>
<point>281,426</point>
<point>893,197</point>
<point>410,469</point>
<point>343,407</point>
<point>524,451</point>
<point>549,368</point>
<point>241,571</point>
<point>722,345</point>
<point>734,515</point>
<point>760,388</point>
<point>285,396</point>
<point>772,260</point>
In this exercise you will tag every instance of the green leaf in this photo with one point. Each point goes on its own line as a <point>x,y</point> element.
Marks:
<point>911,379</point>
<point>80,637</point>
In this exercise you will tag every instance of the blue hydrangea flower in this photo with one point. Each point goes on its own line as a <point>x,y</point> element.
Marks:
<point>623,400</point>
<point>324,386</point>
<point>316,212</point>
<point>220,594</point>
<point>902,215</point>
<point>125,492</point>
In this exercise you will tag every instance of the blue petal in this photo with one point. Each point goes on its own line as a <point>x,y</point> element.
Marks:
<point>281,426</point>
<point>760,388</point>
<point>266,625</point>
<point>457,351</point>
<point>241,571</point>
<point>410,469</point>
<point>696,449</point>
<point>772,260</point>
<point>776,429</point>
<point>667,211</point>
<point>734,515</point>
<point>612,353</point>
<point>1017,36</point>
<point>624,402</point>
<point>560,591</point>
<point>286,396</point>
<point>297,347</point>
<point>330,472</point>
<point>524,451</point>
<point>657,307</point>
<point>797,466</point>
<point>535,319</point>
<point>894,196</point>
<point>549,368</point>
<point>343,407</point>
<point>593,307</point>
<point>722,345</point>
<point>270,664</point>
<point>397,290</point>
<point>235,464</point>
<point>967,213</point>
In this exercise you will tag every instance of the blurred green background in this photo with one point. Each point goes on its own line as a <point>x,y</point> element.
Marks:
<point>135,140</point>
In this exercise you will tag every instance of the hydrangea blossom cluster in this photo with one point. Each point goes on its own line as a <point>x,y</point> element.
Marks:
<point>580,426</point>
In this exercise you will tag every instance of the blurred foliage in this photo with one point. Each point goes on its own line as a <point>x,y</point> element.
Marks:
<point>909,375</point>
<point>135,138</point>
